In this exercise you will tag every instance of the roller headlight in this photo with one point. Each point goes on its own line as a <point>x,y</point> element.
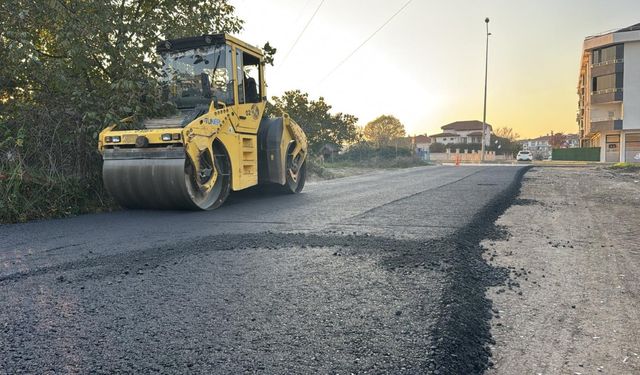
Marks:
<point>170,137</point>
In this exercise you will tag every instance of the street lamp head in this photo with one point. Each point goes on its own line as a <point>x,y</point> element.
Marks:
<point>486,20</point>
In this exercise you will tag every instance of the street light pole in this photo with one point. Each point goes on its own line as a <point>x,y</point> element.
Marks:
<point>486,77</point>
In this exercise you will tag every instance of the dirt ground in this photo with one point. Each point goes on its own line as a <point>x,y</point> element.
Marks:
<point>573,303</point>
<point>333,173</point>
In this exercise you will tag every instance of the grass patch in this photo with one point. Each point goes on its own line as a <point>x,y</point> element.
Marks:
<point>626,167</point>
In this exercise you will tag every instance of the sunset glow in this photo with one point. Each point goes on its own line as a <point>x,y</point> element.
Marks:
<point>426,67</point>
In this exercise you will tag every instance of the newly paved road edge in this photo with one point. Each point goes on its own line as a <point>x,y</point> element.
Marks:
<point>462,334</point>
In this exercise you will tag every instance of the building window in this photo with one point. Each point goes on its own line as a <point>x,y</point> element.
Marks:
<point>607,55</point>
<point>608,82</point>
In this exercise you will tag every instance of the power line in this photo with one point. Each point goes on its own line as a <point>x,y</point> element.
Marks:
<point>366,40</point>
<point>302,32</point>
<point>301,13</point>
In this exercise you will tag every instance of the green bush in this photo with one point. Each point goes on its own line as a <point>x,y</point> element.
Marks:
<point>67,70</point>
<point>28,196</point>
<point>438,148</point>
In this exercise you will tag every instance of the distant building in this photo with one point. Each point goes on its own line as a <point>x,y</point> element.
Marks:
<point>421,143</point>
<point>609,94</point>
<point>540,147</point>
<point>463,132</point>
<point>571,141</point>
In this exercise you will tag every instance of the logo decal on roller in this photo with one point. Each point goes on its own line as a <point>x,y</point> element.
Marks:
<point>211,121</point>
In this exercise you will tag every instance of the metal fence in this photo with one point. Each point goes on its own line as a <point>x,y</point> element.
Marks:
<point>576,154</point>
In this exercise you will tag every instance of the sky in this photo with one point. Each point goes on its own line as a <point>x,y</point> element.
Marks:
<point>426,67</point>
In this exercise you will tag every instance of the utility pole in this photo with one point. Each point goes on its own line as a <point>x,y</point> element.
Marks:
<point>486,77</point>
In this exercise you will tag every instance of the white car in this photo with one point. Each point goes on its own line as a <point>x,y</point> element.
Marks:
<point>524,156</point>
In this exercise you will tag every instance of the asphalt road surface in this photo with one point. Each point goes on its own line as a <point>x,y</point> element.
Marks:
<point>380,273</point>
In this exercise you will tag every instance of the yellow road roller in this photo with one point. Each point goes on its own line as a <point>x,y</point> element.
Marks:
<point>217,142</point>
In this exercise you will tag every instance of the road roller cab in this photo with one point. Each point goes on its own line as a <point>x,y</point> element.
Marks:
<point>217,140</point>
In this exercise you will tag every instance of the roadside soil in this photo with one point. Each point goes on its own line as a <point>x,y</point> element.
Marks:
<point>330,171</point>
<point>321,172</point>
<point>572,304</point>
<point>333,173</point>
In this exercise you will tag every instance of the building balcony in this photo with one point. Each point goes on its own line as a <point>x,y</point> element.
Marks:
<point>600,126</point>
<point>607,68</point>
<point>607,96</point>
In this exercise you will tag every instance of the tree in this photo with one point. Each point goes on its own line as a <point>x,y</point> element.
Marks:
<point>268,53</point>
<point>504,145</point>
<point>507,133</point>
<point>320,126</point>
<point>383,130</point>
<point>70,67</point>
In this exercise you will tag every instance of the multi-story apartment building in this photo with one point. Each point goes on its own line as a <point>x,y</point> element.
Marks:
<point>609,94</point>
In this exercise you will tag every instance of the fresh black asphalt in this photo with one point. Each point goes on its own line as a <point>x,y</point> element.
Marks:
<point>380,273</point>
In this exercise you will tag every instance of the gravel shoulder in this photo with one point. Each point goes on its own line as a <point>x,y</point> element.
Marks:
<point>572,304</point>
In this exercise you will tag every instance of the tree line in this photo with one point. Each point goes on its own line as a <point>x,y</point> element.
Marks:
<point>340,129</point>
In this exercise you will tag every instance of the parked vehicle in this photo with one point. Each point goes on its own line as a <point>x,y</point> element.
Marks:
<point>524,156</point>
